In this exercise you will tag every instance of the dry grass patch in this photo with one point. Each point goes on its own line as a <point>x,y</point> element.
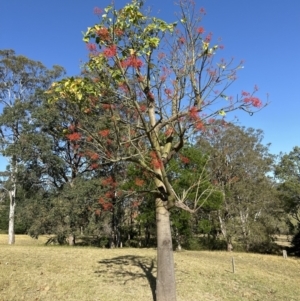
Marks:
<point>29,271</point>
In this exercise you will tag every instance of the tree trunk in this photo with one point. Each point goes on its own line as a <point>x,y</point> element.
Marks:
<point>165,282</point>
<point>11,222</point>
<point>12,201</point>
<point>71,239</point>
<point>177,238</point>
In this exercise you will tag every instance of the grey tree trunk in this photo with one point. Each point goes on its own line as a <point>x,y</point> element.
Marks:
<point>11,221</point>
<point>165,282</point>
<point>12,203</point>
<point>71,239</point>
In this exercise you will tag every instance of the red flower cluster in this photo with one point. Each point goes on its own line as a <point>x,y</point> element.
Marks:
<point>161,55</point>
<point>98,11</point>
<point>92,155</point>
<point>110,51</point>
<point>169,132</point>
<point>155,161</point>
<point>249,99</point>
<point>184,159</point>
<point>105,205</point>
<point>168,93</point>
<point>202,11</point>
<point>139,182</point>
<point>199,125</point>
<point>193,113</point>
<point>107,106</point>
<point>143,108</point>
<point>91,47</point>
<point>132,61</point>
<point>104,133</point>
<point>181,40</point>
<point>119,32</point>
<point>109,182</point>
<point>74,136</point>
<point>256,102</point>
<point>208,38</point>
<point>200,30</point>
<point>94,166</point>
<point>103,34</point>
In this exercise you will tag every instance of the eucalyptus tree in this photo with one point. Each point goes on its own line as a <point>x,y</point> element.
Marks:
<point>287,173</point>
<point>20,79</point>
<point>240,166</point>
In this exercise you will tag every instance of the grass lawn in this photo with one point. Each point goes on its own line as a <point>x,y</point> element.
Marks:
<point>31,271</point>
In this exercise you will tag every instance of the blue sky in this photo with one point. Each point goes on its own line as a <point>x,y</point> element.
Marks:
<point>263,33</point>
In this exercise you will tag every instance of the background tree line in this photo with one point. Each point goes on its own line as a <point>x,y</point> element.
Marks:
<point>248,195</point>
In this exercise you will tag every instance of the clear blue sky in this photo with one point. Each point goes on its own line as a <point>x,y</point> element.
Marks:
<point>264,33</point>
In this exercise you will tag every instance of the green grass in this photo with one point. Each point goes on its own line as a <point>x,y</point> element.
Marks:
<point>31,271</point>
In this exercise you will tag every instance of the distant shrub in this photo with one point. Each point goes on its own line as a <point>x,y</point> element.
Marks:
<point>296,243</point>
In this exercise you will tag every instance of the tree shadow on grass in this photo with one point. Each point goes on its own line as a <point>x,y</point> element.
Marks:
<point>122,266</point>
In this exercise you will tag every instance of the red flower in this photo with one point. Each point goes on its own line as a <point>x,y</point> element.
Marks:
<point>91,47</point>
<point>168,93</point>
<point>200,30</point>
<point>184,159</point>
<point>244,93</point>
<point>255,101</point>
<point>161,55</point>
<point>150,96</point>
<point>155,161</point>
<point>193,113</point>
<point>132,61</point>
<point>181,40</point>
<point>98,11</point>
<point>109,194</point>
<point>110,51</point>
<point>199,125</point>
<point>208,38</point>
<point>105,205</point>
<point>202,11</point>
<point>139,182</point>
<point>94,166</point>
<point>108,181</point>
<point>94,156</point>
<point>143,108</point>
<point>103,34</point>
<point>119,32</point>
<point>169,132</point>
<point>104,133</point>
<point>107,106</point>
<point>74,136</point>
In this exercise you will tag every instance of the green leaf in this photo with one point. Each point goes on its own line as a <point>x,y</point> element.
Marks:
<point>224,96</point>
<point>222,113</point>
<point>108,8</point>
<point>153,42</point>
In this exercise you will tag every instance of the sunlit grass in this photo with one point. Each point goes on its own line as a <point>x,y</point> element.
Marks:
<point>31,271</point>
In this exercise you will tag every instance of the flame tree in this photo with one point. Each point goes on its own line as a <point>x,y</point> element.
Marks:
<point>148,88</point>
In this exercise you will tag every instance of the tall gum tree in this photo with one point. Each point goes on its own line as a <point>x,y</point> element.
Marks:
<point>152,86</point>
<point>20,78</point>
<point>239,165</point>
